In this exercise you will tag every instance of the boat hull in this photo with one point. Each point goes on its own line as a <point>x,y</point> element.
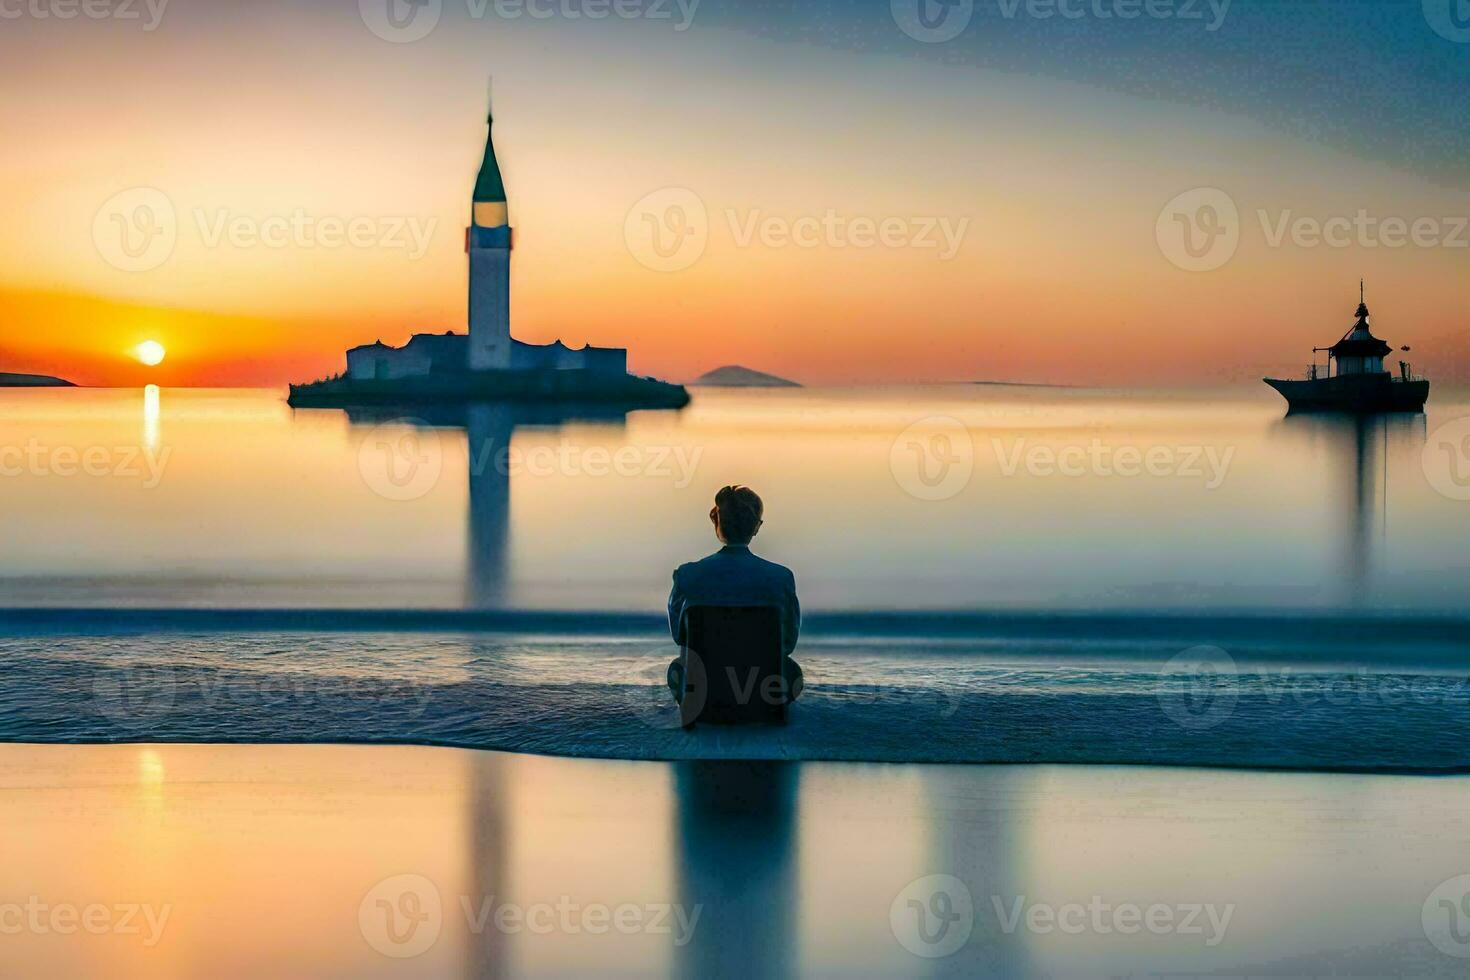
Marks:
<point>1353,393</point>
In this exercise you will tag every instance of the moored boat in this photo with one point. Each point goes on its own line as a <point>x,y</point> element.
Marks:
<point>1355,379</point>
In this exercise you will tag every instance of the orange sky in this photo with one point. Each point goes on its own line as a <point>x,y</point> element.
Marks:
<point>1059,276</point>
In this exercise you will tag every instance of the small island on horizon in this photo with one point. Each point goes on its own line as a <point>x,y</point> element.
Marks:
<point>8,380</point>
<point>1019,384</point>
<point>736,376</point>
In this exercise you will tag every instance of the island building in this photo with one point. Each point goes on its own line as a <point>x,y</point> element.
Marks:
<point>488,346</point>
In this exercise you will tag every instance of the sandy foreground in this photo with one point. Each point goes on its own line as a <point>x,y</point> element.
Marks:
<point>367,861</point>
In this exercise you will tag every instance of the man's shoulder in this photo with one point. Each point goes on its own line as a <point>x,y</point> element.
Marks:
<point>741,562</point>
<point>774,574</point>
<point>693,566</point>
<point>692,570</point>
<point>775,569</point>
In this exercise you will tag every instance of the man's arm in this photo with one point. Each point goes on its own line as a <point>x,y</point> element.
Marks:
<point>790,618</point>
<point>676,611</point>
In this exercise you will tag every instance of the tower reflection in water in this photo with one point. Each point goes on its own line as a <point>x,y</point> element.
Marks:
<point>1366,457</point>
<point>735,854</point>
<point>489,428</point>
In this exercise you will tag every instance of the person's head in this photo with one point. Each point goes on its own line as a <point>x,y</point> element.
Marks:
<point>736,515</point>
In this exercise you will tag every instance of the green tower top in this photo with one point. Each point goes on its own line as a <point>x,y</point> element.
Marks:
<point>489,187</point>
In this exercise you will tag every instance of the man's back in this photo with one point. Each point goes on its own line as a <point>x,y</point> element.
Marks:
<point>733,576</point>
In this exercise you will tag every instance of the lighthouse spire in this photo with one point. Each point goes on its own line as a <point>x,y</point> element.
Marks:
<point>489,197</point>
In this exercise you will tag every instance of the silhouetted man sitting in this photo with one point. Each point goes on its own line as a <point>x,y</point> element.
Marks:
<point>733,576</point>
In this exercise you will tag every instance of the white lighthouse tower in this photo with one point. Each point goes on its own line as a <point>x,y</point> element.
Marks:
<point>488,241</point>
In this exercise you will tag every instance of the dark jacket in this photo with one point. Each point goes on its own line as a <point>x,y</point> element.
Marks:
<point>733,576</point>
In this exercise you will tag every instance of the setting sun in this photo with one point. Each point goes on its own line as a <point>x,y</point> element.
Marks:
<point>150,352</point>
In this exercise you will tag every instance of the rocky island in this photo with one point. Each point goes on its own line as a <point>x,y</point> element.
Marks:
<point>32,381</point>
<point>735,376</point>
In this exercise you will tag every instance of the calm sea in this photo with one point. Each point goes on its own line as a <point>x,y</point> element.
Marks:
<point>950,497</point>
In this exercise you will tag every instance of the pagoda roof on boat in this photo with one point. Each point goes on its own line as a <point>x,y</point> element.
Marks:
<point>1359,341</point>
<point>1364,347</point>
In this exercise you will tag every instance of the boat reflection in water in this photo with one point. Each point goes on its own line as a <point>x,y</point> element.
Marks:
<point>488,427</point>
<point>1366,456</point>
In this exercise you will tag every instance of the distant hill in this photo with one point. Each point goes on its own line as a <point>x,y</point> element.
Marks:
<point>735,376</point>
<point>32,381</point>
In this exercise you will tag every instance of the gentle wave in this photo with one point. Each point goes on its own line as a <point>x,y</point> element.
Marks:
<point>1369,706</point>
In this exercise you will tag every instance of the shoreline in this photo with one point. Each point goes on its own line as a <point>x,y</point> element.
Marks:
<point>450,746</point>
<point>1325,624</point>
